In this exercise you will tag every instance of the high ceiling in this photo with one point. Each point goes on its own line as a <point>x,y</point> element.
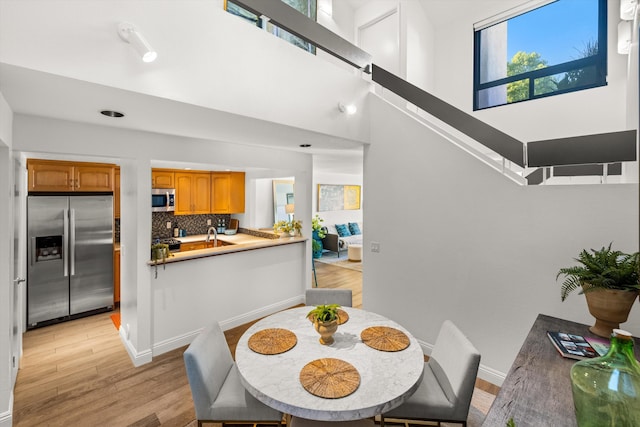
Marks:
<point>62,59</point>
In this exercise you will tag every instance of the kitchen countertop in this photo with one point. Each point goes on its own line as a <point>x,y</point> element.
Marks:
<point>233,239</point>
<point>238,243</point>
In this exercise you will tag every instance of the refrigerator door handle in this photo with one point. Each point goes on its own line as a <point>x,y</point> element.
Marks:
<point>72,241</point>
<point>33,250</point>
<point>65,244</point>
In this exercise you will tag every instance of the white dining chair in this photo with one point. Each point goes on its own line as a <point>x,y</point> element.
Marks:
<point>218,395</point>
<point>444,395</point>
<point>324,296</point>
<point>303,422</point>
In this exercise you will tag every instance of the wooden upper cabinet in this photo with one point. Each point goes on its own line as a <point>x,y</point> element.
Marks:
<point>220,188</point>
<point>116,193</point>
<point>93,178</point>
<point>162,179</point>
<point>227,192</point>
<point>183,193</point>
<point>53,175</point>
<point>193,193</point>
<point>201,193</point>
<point>50,176</point>
<point>237,196</point>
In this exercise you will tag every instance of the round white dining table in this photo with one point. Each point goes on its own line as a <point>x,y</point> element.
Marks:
<point>387,378</point>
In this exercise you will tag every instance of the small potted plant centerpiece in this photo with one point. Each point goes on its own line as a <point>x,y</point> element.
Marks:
<point>609,282</point>
<point>159,252</point>
<point>325,321</point>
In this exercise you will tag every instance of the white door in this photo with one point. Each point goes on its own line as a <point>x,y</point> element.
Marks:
<point>18,266</point>
<point>381,38</point>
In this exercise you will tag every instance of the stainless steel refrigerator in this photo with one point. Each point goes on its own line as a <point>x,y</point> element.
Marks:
<point>70,259</point>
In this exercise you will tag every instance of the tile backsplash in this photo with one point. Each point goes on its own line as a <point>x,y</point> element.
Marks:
<point>193,224</point>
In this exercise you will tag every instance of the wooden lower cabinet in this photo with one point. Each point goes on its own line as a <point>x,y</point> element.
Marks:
<point>116,276</point>
<point>192,246</point>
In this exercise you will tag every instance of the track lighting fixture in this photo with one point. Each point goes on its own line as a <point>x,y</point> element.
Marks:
<point>131,35</point>
<point>348,109</point>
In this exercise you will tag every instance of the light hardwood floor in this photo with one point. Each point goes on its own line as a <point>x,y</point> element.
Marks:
<point>78,373</point>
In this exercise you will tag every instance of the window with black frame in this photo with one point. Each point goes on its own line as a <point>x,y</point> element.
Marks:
<point>554,49</point>
<point>306,7</point>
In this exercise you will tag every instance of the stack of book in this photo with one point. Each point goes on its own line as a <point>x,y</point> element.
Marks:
<point>578,347</point>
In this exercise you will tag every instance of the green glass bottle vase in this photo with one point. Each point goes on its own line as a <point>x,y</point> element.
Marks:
<point>606,390</point>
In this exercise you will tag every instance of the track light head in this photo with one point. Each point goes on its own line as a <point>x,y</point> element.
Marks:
<point>131,35</point>
<point>348,109</point>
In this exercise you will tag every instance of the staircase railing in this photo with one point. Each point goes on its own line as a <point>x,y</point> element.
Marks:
<point>587,153</point>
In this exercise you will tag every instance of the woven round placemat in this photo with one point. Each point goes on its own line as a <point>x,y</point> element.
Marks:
<point>343,317</point>
<point>330,378</point>
<point>385,338</point>
<point>272,341</point>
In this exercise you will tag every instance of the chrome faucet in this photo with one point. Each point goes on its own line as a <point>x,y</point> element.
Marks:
<point>215,236</point>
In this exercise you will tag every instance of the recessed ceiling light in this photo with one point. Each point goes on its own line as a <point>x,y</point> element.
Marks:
<point>305,145</point>
<point>111,113</point>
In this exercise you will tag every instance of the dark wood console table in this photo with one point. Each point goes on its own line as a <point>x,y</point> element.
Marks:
<point>537,389</point>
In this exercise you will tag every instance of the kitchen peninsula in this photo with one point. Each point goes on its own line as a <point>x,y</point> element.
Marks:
<point>234,284</point>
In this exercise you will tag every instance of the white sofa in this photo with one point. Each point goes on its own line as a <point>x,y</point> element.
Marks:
<point>333,242</point>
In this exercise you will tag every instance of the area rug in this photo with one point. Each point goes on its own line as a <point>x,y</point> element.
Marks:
<point>115,318</point>
<point>341,262</point>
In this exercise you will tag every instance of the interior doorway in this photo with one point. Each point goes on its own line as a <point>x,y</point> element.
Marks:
<point>381,38</point>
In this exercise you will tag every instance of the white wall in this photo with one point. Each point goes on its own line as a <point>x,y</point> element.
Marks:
<point>476,248</point>
<point>232,289</point>
<point>584,112</point>
<point>135,152</point>
<point>6,281</point>
<point>417,44</point>
<point>206,57</point>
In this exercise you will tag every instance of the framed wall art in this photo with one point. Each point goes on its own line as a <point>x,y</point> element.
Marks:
<point>338,197</point>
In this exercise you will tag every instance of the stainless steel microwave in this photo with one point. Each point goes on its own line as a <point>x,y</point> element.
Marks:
<point>163,200</point>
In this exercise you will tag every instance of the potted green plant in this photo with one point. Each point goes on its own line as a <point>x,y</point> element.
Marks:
<point>288,227</point>
<point>609,281</point>
<point>316,246</point>
<point>325,321</point>
<point>318,234</point>
<point>159,252</point>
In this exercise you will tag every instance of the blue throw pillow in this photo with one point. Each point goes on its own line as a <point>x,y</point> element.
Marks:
<point>354,228</point>
<point>342,230</point>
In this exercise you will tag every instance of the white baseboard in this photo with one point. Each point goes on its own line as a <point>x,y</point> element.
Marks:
<point>175,342</point>
<point>6,418</point>
<point>491,375</point>
<point>261,312</point>
<point>186,339</point>
<point>137,358</point>
<point>484,372</point>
